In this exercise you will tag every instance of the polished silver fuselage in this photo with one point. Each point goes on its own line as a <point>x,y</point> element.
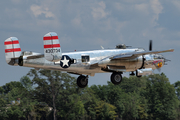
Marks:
<point>99,61</point>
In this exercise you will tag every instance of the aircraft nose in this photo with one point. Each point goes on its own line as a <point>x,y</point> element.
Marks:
<point>165,60</point>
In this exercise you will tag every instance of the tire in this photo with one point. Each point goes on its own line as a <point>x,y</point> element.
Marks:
<point>82,81</point>
<point>116,78</point>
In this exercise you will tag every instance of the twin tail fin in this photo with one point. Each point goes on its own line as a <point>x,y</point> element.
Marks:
<point>52,48</point>
<point>12,50</point>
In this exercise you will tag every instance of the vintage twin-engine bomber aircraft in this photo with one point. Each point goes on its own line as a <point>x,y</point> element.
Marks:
<point>86,63</point>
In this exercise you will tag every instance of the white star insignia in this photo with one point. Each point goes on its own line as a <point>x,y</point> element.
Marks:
<point>65,62</point>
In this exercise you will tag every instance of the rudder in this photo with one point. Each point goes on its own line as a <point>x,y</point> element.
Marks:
<point>52,49</point>
<point>12,50</point>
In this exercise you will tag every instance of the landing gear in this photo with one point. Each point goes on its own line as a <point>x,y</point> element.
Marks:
<point>138,75</point>
<point>82,81</point>
<point>132,73</point>
<point>116,78</point>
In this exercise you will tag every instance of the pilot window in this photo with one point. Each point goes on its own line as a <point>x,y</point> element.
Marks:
<point>85,58</point>
<point>158,56</point>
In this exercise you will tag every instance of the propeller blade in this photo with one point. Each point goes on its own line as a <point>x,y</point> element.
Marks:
<point>150,45</point>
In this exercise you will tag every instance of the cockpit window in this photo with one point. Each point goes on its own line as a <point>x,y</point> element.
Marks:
<point>158,56</point>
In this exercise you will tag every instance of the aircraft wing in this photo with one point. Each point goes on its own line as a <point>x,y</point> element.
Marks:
<point>135,54</point>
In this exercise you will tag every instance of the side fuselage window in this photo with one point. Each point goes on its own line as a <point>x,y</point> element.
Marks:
<point>85,58</point>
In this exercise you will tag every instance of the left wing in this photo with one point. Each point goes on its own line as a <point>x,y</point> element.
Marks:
<point>136,54</point>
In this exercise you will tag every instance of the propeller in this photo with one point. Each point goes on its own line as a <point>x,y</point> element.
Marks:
<point>158,65</point>
<point>150,45</point>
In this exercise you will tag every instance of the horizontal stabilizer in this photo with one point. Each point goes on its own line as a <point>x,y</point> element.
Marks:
<point>12,50</point>
<point>52,49</point>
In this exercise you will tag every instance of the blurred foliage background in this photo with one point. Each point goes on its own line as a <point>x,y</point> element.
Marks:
<point>53,95</point>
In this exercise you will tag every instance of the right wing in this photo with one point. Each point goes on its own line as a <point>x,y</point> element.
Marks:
<point>136,54</point>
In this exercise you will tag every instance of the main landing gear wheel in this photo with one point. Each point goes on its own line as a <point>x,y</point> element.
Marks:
<point>116,78</point>
<point>82,81</point>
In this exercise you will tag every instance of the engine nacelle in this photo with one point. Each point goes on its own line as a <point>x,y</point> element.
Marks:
<point>125,65</point>
<point>147,71</point>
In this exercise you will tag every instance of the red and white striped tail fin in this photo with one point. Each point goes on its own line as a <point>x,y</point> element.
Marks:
<point>52,49</point>
<point>12,50</point>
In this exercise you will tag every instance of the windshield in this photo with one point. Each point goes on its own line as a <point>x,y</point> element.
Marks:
<point>156,56</point>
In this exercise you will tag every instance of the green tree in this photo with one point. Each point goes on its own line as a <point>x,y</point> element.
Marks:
<point>148,97</point>
<point>9,86</point>
<point>90,102</point>
<point>105,111</point>
<point>126,103</point>
<point>27,83</point>
<point>133,84</point>
<point>70,108</point>
<point>56,89</point>
<point>177,88</point>
<point>17,110</point>
<point>13,91</point>
<point>48,86</point>
<point>161,97</point>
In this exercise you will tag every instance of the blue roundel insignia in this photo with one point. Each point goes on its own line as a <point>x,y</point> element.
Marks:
<point>65,61</point>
